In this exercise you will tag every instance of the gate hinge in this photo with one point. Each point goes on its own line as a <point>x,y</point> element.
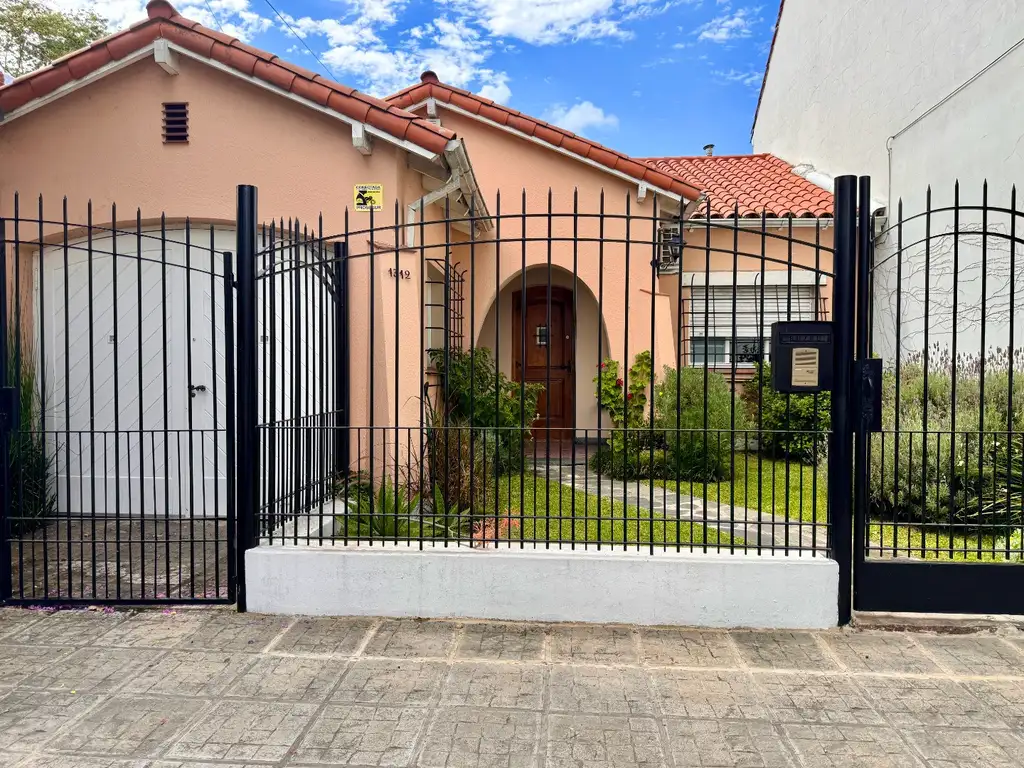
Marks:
<point>867,394</point>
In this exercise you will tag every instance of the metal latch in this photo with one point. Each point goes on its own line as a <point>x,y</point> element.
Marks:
<point>867,393</point>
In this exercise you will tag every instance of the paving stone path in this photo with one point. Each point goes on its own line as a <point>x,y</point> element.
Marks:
<point>195,688</point>
<point>748,524</point>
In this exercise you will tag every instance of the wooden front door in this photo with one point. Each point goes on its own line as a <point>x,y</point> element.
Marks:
<point>548,360</point>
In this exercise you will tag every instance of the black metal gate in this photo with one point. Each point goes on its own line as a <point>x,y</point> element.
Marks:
<point>116,359</point>
<point>940,488</point>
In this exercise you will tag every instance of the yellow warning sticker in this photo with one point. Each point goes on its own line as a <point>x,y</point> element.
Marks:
<point>369,197</point>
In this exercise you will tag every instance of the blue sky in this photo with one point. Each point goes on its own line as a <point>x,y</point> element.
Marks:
<point>648,77</point>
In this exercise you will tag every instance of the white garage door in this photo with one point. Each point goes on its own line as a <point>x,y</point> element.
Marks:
<point>132,352</point>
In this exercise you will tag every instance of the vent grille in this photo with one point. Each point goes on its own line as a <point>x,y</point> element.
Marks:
<point>176,123</point>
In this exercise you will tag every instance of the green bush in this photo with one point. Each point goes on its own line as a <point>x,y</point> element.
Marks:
<point>625,401</point>
<point>457,460</point>
<point>640,461</point>
<point>934,469</point>
<point>790,426</point>
<point>628,453</point>
<point>699,423</point>
<point>475,392</point>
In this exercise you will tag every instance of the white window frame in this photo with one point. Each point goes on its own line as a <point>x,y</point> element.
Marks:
<point>774,282</point>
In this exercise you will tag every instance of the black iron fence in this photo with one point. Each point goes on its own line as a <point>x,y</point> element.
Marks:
<point>531,378</point>
<point>553,373</point>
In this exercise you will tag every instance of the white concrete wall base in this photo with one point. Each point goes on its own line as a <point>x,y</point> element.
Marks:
<point>682,589</point>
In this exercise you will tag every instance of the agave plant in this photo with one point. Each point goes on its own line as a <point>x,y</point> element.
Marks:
<point>388,514</point>
<point>445,520</point>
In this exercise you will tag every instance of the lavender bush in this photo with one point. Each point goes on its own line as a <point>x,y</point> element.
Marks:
<point>952,457</point>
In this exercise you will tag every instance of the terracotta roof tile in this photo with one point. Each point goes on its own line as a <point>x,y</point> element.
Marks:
<point>751,183</point>
<point>164,22</point>
<point>430,86</point>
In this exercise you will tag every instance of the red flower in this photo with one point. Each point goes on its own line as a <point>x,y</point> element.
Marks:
<point>603,365</point>
<point>618,382</point>
<point>629,396</point>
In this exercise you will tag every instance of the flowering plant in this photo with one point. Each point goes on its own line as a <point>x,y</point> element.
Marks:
<point>626,404</point>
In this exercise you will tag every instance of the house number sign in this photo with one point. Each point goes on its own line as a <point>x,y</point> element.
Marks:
<point>399,274</point>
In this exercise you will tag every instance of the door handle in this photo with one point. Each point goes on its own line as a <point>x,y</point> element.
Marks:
<point>193,388</point>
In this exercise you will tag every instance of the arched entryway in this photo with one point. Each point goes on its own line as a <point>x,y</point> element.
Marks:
<point>546,326</point>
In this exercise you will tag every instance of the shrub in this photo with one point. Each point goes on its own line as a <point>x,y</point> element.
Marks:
<point>929,472</point>
<point>455,460</point>
<point>683,408</point>
<point>625,402</point>
<point>33,500</point>
<point>790,426</point>
<point>640,461</point>
<point>474,393</point>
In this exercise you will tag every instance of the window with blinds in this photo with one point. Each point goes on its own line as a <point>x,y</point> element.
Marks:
<point>728,324</point>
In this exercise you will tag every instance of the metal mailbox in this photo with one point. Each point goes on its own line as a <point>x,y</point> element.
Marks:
<point>802,357</point>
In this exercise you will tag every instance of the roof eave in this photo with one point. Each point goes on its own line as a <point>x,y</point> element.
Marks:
<point>457,159</point>
<point>686,191</point>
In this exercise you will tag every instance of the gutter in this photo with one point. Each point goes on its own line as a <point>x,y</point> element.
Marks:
<point>461,179</point>
<point>824,222</point>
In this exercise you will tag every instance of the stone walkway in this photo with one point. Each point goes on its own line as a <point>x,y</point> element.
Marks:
<point>748,524</point>
<point>190,688</point>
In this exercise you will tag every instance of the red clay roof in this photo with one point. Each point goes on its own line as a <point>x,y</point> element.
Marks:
<point>550,134</point>
<point>751,183</point>
<point>165,22</point>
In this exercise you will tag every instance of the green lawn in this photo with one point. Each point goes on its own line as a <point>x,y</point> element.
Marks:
<point>807,500</point>
<point>534,509</point>
<point>936,541</point>
<point>765,485</point>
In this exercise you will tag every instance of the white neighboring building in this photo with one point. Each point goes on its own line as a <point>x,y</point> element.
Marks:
<point>913,93</point>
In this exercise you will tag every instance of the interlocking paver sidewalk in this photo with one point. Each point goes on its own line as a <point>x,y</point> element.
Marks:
<point>209,688</point>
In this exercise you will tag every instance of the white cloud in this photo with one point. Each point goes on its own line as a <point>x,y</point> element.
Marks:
<point>544,22</point>
<point>233,17</point>
<point>751,78</point>
<point>729,26</point>
<point>497,90</point>
<point>581,117</point>
<point>119,13</point>
<point>452,48</point>
<point>337,33</point>
<point>661,61</point>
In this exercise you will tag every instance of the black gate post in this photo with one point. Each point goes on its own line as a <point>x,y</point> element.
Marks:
<point>247,457</point>
<point>6,417</point>
<point>231,423</point>
<point>342,412</point>
<point>865,248</point>
<point>840,458</point>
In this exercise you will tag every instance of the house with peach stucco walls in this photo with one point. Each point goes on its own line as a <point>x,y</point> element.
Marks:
<point>494,229</point>
<point>753,214</point>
